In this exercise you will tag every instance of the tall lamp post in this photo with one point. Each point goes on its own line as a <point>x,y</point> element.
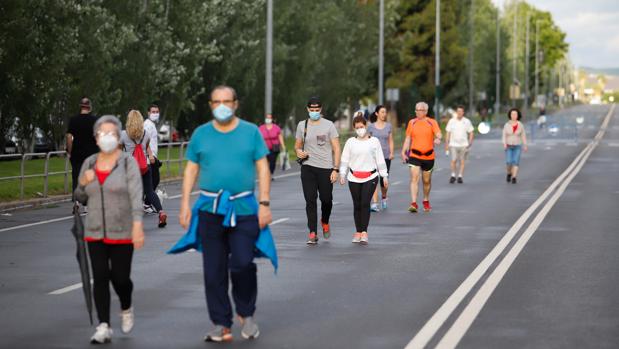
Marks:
<point>381,58</point>
<point>497,100</point>
<point>437,72</point>
<point>268,88</point>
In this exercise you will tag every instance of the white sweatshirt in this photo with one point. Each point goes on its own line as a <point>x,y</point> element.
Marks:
<point>363,155</point>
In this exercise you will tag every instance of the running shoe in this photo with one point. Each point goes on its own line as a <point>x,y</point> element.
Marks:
<point>452,180</point>
<point>326,230</point>
<point>103,334</point>
<point>413,208</point>
<point>460,181</point>
<point>219,334</point>
<point>163,219</point>
<point>148,209</point>
<point>127,319</point>
<point>509,177</point>
<point>250,328</point>
<point>312,239</point>
<point>384,202</point>
<point>514,180</point>
<point>374,207</point>
<point>364,239</point>
<point>426,206</point>
<point>356,238</point>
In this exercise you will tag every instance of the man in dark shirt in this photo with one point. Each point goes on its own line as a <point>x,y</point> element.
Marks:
<point>81,141</point>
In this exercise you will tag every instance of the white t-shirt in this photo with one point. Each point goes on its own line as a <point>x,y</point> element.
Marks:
<point>151,131</point>
<point>459,131</point>
<point>363,155</point>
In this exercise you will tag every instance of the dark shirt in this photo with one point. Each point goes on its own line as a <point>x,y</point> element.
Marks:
<point>81,126</point>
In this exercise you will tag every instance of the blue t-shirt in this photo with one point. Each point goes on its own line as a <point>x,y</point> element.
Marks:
<point>227,160</point>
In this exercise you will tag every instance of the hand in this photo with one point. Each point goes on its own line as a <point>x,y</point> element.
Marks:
<point>334,176</point>
<point>504,146</point>
<point>437,141</point>
<point>404,157</point>
<point>386,182</point>
<point>264,216</point>
<point>391,156</point>
<point>152,159</point>
<point>137,235</point>
<point>184,216</point>
<point>526,149</point>
<point>301,154</point>
<point>87,177</point>
<point>342,180</point>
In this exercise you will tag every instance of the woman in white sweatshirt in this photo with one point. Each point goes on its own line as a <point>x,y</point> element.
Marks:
<point>362,162</point>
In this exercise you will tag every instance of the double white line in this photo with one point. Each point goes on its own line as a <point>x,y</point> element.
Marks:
<point>466,318</point>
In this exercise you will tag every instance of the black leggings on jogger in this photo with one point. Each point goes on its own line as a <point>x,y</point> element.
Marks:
<point>272,157</point>
<point>361,197</point>
<point>110,263</point>
<point>317,182</point>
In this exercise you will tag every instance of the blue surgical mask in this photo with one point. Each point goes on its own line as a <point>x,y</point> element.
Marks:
<point>223,113</point>
<point>314,115</point>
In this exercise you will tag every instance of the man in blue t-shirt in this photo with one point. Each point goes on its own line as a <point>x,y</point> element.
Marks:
<point>228,153</point>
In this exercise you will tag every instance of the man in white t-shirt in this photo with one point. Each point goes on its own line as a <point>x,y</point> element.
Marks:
<point>150,127</point>
<point>458,142</point>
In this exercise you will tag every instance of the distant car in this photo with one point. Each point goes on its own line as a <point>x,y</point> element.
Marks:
<point>10,147</point>
<point>168,134</point>
<point>553,129</point>
<point>42,143</point>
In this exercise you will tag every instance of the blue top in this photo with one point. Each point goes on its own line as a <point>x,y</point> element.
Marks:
<point>227,160</point>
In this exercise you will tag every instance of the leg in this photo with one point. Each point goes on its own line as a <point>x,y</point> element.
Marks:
<point>99,261</point>
<point>382,184</point>
<point>367,189</point>
<point>272,157</point>
<point>310,192</point>
<point>325,192</point>
<point>514,171</point>
<point>156,175</point>
<point>76,166</point>
<point>147,184</point>
<point>215,263</point>
<point>355,193</point>
<point>242,241</point>
<point>120,258</point>
<point>462,162</point>
<point>427,184</point>
<point>515,160</point>
<point>414,170</point>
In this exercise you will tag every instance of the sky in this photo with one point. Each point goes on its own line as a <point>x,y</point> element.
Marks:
<point>592,28</point>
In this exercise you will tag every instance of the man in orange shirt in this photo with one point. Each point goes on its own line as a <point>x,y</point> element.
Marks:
<point>422,133</point>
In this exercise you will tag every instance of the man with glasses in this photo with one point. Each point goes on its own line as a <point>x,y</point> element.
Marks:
<point>318,148</point>
<point>422,133</point>
<point>227,153</point>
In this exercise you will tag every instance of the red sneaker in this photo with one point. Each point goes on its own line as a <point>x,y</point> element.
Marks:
<point>326,230</point>
<point>312,239</point>
<point>413,208</point>
<point>426,206</point>
<point>163,219</point>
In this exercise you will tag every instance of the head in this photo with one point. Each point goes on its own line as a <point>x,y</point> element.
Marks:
<point>359,123</point>
<point>380,113</point>
<point>85,105</point>
<point>314,108</point>
<point>223,103</point>
<point>135,125</point>
<point>460,111</point>
<point>421,109</point>
<point>268,119</point>
<point>514,114</point>
<point>107,133</point>
<point>153,112</point>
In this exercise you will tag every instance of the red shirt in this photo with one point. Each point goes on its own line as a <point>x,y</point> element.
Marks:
<point>271,137</point>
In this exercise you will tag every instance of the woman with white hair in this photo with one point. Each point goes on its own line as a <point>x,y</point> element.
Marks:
<point>133,138</point>
<point>110,182</point>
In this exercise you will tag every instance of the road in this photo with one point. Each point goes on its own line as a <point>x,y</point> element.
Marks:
<point>531,265</point>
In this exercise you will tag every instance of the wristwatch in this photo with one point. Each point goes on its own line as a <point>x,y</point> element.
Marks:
<point>336,170</point>
<point>265,203</point>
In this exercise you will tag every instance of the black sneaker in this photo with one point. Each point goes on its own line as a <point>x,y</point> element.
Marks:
<point>513,180</point>
<point>509,177</point>
<point>460,180</point>
<point>452,180</point>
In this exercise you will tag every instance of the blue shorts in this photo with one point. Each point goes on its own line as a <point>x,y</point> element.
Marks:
<point>512,155</point>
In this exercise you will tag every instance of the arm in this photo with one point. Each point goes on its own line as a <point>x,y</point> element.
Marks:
<point>391,146</point>
<point>69,139</point>
<point>405,146</point>
<point>524,139</point>
<point>438,135</point>
<point>264,188</point>
<point>381,165</point>
<point>344,160</point>
<point>281,141</point>
<point>189,179</point>
<point>153,140</point>
<point>335,143</point>
<point>504,138</point>
<point>471,137</point>
<point>85,177</point>
<point>447,137</point>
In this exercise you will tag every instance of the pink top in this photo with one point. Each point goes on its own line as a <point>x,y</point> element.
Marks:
<point>271,137</point>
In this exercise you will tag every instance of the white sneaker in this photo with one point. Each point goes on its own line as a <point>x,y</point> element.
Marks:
<point>103,334</point>
<point>127,320</point>
<point>364,239</point>
<point>356,238</point>
<point>148,209</point>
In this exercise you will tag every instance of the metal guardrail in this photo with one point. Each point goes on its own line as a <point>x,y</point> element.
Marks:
<point>67,170</point>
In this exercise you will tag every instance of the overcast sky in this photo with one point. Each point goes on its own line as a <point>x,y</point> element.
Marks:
<point>592,28</point>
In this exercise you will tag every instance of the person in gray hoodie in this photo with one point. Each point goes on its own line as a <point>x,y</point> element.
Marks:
<point>111,183</point>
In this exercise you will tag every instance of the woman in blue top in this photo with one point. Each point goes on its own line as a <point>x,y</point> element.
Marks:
<point>382,130</point>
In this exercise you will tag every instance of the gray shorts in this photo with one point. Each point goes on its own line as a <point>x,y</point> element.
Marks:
<point>458,153</point>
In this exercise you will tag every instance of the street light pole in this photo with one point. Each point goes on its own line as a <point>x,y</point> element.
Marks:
<point>381,58</point>
<point>497,100</point>
<point>526,67</point>
<point>437,72</point>
<point>536,62</point>
<point>470,60</point>
<point>268,88</point>
<point>515,48</point>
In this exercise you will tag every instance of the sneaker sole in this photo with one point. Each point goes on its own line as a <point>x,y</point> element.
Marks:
<point>412,210</point>
<point>312,242</point>
<point>106,341</point>
<point>250,337</point>
<point>218,339</point>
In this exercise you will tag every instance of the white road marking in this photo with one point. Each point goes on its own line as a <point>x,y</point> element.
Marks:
<point>437,320</point>
<point>67,289</point>
<point>396,183</point>
<point>281,220</point>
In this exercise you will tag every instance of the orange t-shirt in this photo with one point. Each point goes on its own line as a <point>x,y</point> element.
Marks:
<point>421,133</point>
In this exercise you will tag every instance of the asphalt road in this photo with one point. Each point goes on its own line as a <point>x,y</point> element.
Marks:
<point>422,276</point>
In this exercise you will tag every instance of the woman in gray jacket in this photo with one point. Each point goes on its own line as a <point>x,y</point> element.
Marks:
<point>111,183</point>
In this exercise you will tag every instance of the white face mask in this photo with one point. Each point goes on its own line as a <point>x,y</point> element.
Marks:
<point>108,143</point>
<point>154,117</point>
<point>268,121</point>
<point>361,132</point>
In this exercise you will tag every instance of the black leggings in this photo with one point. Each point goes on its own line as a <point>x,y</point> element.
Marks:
<point>76,166</point>
<point>272,157</point>
<point>361,197</point>
<point>147,184</point>
<point>317,182</point>
<point>110,263</point>
<point>388,162</point>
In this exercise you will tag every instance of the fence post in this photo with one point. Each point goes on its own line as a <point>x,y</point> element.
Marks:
<point>167,163</point>
<point>180,160</point>
<point>66,172</point>
<point>21,177</point>
<point>46,175</point>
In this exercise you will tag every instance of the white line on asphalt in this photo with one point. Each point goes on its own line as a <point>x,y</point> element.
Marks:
<point>398,182</point>
<point>281,220</point>
<point>426,333</point>
<point>67,289</point>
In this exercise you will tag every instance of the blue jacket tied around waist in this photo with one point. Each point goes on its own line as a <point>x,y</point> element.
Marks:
<point>222,204</point>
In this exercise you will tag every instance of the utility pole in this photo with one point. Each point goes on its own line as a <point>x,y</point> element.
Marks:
<point>526,67</point>
<point>471,61</point>
<point>515,49</point>
<point>437,72</point>
<point>497,100</point>
<point>268,88</point>
<point>381,58</point>
<point>536,62</point>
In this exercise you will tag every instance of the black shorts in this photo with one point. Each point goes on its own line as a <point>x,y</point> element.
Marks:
<point>426,165</point>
